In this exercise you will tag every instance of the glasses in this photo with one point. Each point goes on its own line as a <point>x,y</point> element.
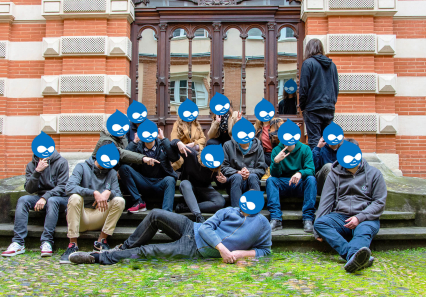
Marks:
<point>265,114</point>
<point>250,205</point>
<point>220,107</point>
<point>242,135</point>
<point>106,159</point>
<point>209,158</point>
<point>187,114</point>
<point>42,149</point>
<point>117,127</point>
<point>332,137</point>
<point>146,134</point>
<point>288,136</point>
<point>136,115</point>
<point>348,158</point>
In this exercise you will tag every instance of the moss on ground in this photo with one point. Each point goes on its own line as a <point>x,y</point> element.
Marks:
<point>394,273</point>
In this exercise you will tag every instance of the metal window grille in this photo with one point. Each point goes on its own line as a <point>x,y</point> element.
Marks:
<point>358,82</point>
<point>81,123</point>
<point>2,49</point>
<point>84,5</point>
<point>83,45</point>
<point>2,87</point>
<point>83,84</point>
<point>352,43</point>
<point>367,123</point>
<point>351,4</point>
<point>1,124</point>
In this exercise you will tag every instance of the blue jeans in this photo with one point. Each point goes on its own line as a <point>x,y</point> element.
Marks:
<point>136,183</point>
<point>53,207</point>
<point>278,186</point>
<point>343,240</point>
<point>236,186</point>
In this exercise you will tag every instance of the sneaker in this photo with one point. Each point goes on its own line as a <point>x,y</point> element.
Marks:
<point>72,248</point>
<point>82,258</point>
<point>276,225</point>
<point>13,250</point>
<point>199,218</point>
<point>308,226</point>
<point>101,246</point>
<point>137,207</point>
<point>182,208</point>
<point>358,260</point>
<point>369,263</point>
<point>46,249</point>
<point>116,248</point>
<point>267,174</point>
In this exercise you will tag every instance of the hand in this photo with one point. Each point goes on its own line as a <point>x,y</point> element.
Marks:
<point>42,164</point>
<point>221,178</point>
<point>245,173</point>
<point>190,144</point>
<point>352,223</point>
<point>150,161</point>
<point>237,254</point>
<point>321,142</point>
<point>136,139</point>
<point>40,204</point>
<point>295,178</point>
<point>218,118</point>
<point>281,155</point>
<point>183,149</point>
<point>240,115</point>
<point>319,239</point>
<point>226,255</point>
<point>160,133</point>
<point>299,125</point>
<point>100,201</point>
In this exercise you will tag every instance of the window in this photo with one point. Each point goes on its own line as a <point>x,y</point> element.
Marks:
<point>281,83</point>
<point>255,33</point>
<point>179,92</point>
<point>200,33</point>
<point>287,34</point>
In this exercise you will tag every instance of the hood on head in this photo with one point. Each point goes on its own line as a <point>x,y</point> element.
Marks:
<point>323,60</point>
<point>105,133</point>
<point>338,169</point>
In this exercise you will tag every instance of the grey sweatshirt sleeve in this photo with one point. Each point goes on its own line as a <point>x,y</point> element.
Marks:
<point>328,197</point>
<point>31,178</point>
<point>73,185</point>
<point>260,165</point>
<point>61,181</point>
<point>208,230</point>
<point>305,78</point>
<point>227,170</point>
<point>379,194</point>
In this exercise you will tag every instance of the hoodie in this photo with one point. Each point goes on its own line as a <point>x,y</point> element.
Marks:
<point>235,231</point>
<point>323,156</point>
<point>51,181</point>
<point>299,160</point>
<point>234,160</point>
<point>319,84</point>
<point>362,194</point>
<point>88,178</point>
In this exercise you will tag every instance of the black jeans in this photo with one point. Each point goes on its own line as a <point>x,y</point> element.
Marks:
<point>178,227</point>
<point>209,199</point>
<point>223,137</point>
<point>316,121</point>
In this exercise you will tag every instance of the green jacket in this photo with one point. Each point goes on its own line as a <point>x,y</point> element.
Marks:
<point>299,160</point>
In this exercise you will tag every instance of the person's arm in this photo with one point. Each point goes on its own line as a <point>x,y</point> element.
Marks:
<point>115,187</point>
<point>336,81</point>
<point>61,181</point>
<point>308,167</point>
<point>174,134</point>
<point>316,158</point>
<point>260,166</point>
<point>129,157</point>
<point>172,154</point>
<point>226,169</point>
<point>231,122</point>
<point>207,231</point>
<point>132,146</point>
<point>328,198</point>
<point>379,194</point>
<point>73,185</point>
<point>214,130</point>
<point>32,177</point>
<point>201,141</point>
<point>276,168</point>
<point>305,78</point>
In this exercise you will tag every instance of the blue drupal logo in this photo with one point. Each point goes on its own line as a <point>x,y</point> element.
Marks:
<point>118,124</point>
<point>108,156</point>
<point>264,111</point>
<point>290,86</point>
<point>188,111</point>
<point>289,133</point>
<point>212,156</point>
<point>333,134</point>
<point>349,155</point>
<point>43,145</point>
<point>252,202</point>
<point>137,112</point>
<point>243,131</point>
<point>147,131</point>
<point>219,104</point>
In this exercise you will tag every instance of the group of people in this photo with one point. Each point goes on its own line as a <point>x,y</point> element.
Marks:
<point>136,158</point>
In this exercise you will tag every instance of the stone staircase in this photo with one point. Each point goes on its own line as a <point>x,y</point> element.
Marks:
<point>403,224</point>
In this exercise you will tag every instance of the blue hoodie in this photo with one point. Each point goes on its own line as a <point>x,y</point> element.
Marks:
<point>323,156</point>
<point>235,231</point>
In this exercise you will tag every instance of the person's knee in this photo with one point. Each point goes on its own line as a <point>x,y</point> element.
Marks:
<point>327,167</point>
<point>119,202</point>
<point>53,203</point>
<point>311,180</point>
<point>253,178</point>
<point>23,202</point>
<point>169,181</point>
<point>75,201</point>
<point>184,185</point>
<point>321,222</point>
<point>236,178</point>
<point>271,182</point>
<point>124,170</point>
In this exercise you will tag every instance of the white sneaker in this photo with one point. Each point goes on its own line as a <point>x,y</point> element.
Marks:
<point>46,249</point>
<point>13,250</point>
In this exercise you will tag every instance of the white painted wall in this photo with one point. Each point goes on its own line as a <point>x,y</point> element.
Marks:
<point>24,88</point>
<point>410,48</point>
<point>412,125</point>
<point>25,51</point>
<point>22,125</point>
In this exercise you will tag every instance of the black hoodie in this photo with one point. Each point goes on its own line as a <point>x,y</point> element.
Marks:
<point>319,84</point>
<point>51,181</point>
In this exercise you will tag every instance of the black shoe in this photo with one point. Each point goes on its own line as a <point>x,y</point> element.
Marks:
<point>358,260</point>
<point>308,227</point>
<point>199,218</point>
<point>369,263</point>
<point>181,208</point>
<point>82,258</point>
<point>101,246</point>
<point>276,225</point>
<point>72,248</point>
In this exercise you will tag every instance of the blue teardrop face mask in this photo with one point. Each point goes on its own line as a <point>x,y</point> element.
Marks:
<point>252,202</point>
<point>333,134</point>
<point>243,131</point>
<point>147,131</point>
<point>188,111</point>
<point>43,145</point>
<point>349,155</point>
<point>108,156</point>
<point>137,112</point>
<point>219,104</point>
<point>118,124</point>
<point>289,133</point>
<point>212,156</point>
<point>290,86</point>
<point>264,111</point>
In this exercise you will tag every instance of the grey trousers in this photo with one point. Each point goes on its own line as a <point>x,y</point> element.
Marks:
<point>321,176</point>
<point>201,199</point>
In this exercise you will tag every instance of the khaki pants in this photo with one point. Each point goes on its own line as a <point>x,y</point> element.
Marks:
<point>82,219</point>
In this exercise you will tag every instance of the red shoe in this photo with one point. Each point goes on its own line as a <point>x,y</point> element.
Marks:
<point>138,207</point>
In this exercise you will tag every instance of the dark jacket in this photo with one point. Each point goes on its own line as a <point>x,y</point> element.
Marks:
<point>164,154</point>
<point>362,195</point>
<point>323,156</point>
<point>234,160</point>
<point>130,135</point>
<point>319,84</point>
<point>51,181</point>
<point>299,160</point>
<point>88,178</point>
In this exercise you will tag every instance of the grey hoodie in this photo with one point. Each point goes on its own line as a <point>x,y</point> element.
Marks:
<point>51,181</point>
<point>362,195</point>
<point>88,178</point>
